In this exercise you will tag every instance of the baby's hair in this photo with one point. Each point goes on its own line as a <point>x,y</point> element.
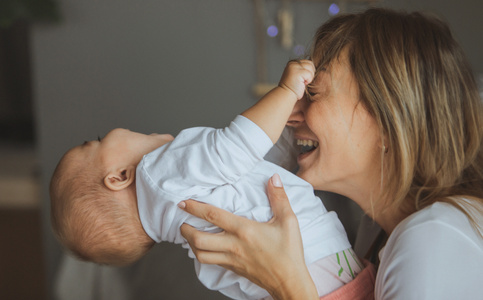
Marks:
<point>89,221</point>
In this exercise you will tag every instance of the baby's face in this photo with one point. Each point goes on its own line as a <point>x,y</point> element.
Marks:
<point>120,147</point>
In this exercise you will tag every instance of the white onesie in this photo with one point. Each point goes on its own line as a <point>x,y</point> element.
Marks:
<point>225,167</point>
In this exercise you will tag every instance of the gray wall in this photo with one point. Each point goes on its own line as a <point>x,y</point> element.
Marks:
<point>160,66</point>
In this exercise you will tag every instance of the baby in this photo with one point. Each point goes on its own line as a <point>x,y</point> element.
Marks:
<point>113,199</point>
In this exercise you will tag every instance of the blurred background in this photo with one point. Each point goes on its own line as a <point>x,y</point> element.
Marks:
<point>73,70</point>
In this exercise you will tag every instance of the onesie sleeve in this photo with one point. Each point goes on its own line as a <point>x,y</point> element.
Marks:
<point>200,159</point>
<point>196,162</point>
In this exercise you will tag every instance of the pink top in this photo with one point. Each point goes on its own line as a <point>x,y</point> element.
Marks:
<point>361,288</point>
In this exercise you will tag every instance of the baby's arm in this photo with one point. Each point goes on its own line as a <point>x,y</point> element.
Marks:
<point>273,110</point>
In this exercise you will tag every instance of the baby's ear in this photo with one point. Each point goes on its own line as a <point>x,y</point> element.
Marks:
<point>120,179</point>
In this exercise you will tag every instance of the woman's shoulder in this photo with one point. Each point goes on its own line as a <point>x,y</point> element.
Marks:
<point>433,254</point>
<point>434,222</point>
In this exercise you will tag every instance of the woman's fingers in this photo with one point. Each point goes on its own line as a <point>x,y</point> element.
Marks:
<point>208,247</point>
<point>204,240</point>
<point>268,254</point>
<point>284,217</point>
<point>278,199</point>
<point>229,222</point>
<point>216,216</point>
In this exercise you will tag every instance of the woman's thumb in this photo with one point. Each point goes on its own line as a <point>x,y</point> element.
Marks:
<point>277,197</point>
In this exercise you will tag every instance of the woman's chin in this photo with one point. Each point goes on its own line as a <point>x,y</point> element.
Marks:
<point>316,179</point>
<point>302,173</point>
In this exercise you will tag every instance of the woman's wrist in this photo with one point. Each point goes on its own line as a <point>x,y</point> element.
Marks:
<point>299,285</point>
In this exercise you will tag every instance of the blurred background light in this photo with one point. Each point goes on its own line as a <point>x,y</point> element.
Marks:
<point>272,31</point>
<point>334,9</point>
<point>299,50</point>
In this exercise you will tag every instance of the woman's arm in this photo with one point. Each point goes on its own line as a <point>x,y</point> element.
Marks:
<point>268,254</point>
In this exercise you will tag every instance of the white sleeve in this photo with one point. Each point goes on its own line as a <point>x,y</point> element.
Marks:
<point>200,159</point>
<point>431,261</point>
<point>191,167</point>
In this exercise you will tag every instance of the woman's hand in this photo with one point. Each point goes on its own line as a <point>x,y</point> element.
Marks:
<point>268,254</point>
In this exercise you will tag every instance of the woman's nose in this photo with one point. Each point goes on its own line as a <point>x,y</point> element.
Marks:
<point>297,116</point>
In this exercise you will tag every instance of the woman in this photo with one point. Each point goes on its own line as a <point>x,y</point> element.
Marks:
<point>396,112</point>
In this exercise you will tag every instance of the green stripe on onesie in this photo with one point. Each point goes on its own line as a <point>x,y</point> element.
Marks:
<point>349,263</point>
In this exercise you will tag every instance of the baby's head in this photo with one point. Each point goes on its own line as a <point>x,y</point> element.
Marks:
<point>93,198</point>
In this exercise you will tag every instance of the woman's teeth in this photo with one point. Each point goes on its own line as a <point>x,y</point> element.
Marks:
<point>307,145</point>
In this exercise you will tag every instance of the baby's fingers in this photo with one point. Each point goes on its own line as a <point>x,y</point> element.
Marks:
<point>309,67</point>
<point>297,74</point>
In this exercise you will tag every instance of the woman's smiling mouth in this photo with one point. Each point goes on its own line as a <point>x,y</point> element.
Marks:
<point>307,145</point>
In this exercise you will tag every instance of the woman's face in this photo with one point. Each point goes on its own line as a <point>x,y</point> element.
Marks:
<point>347,158</point>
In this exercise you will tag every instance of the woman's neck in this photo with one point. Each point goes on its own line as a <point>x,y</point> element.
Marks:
<point>387,217</point>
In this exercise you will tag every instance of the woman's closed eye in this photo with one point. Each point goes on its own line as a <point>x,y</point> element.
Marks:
<point>311,93</point>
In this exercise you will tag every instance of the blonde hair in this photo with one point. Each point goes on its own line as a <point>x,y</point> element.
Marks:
<point>89,221</point>
<point>415,81</point>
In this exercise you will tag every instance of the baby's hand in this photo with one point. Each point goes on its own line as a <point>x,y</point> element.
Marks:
<point>297,74</point>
